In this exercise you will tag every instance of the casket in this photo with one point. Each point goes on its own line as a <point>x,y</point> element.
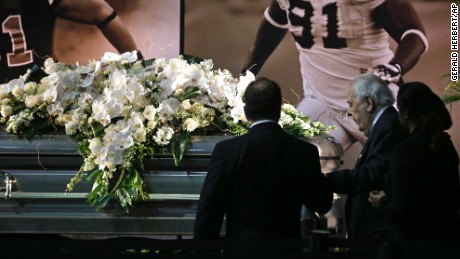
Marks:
<point>34,175</point>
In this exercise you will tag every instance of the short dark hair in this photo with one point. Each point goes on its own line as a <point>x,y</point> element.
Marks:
<point>262,100</point>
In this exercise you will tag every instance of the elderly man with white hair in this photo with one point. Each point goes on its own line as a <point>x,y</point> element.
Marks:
<point>371,107</point>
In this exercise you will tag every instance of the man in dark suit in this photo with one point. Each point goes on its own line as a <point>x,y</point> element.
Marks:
<point>260,180</point>
<point>371,107</point>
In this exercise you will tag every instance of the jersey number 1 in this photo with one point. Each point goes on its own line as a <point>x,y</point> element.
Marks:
<point>20,55</point>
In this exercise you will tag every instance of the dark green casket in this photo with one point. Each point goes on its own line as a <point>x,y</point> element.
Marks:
<point>34,175</point>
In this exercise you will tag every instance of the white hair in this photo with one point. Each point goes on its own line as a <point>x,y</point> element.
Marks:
<point>372,86</point>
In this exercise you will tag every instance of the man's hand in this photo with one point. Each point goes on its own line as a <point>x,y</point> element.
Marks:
<point>390,73</point>
<point>374,198</point>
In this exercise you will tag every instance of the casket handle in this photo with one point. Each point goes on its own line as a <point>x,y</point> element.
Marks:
<point>10,183</point>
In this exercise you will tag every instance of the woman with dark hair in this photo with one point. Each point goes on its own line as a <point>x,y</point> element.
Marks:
<point>422,195</point>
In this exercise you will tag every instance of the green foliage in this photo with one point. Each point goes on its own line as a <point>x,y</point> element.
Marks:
<point>179,143</point>
<point>452,92</point>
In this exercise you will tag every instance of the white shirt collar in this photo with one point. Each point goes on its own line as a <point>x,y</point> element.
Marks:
<point>377,116</point>
<point>263,121</point>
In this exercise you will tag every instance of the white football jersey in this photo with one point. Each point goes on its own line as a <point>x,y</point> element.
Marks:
<point>335,39</point>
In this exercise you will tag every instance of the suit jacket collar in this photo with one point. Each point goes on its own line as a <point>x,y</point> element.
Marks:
<point>390,111</point>
<point>378,115</point>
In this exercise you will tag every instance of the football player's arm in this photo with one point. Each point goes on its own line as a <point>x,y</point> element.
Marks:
<point>101,14</point>
<point>267,39</point>
<point>403,24</point>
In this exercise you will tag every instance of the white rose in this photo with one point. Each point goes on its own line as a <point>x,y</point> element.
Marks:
<point>289,108</point>
<point>95,145</point>
<point>163,135</point>
<point>4,90</point>
<point>186,104</point>
<point>149,112</point>
<point>179,92</point>
<point>152,124</point>
<point>5,101</point>
<point>190,124</point>
<point>6,111</point>
<point>30,87</point>
<point>71,128</point>
<point>18,92</point>
<point>63,119</point>
<point>32,101</point>
<point>139,135</point>
<point>88,166</point>
<point>285,119</point>
<point>305,126</point>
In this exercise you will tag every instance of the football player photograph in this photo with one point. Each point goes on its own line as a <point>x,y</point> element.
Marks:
<point>28,30</point>
<point>371,108</point>
<point>421,198</point>
<point>155,26</point>
<point>336,41</point>
<point>259,181</point>
<point>78,31</point>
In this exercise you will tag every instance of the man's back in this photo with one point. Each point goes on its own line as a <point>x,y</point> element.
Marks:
<point>260,181</point>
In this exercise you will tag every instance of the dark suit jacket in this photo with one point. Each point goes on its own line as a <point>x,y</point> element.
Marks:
<point>423,196</point>
<point>363,221</point>
<point>259,181</point>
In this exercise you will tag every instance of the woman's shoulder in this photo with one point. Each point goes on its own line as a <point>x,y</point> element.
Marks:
<point>413,143</point>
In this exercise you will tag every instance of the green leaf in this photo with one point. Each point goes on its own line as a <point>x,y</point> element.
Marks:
<point>179,143</point>
<point>452,92</point>
<point>36,127</point>
<point>35,75</point>
<point>18,107</point>
<point>75,180</point>
<point>148,62</point>
<point>99,196</point>
<point>83,147</point>
<point>124,198</point>
<point>95,173</point>
<point>150,151</point>
<point>138,163</point>
<point>98,129</point>
<point>450,98</point>
<point>190,92</point>
<point>192,59</point>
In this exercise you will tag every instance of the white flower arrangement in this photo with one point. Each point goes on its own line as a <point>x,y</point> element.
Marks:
<point>121,110</point>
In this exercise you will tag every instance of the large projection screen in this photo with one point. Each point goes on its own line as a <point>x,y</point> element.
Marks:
<point>155,25</point>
